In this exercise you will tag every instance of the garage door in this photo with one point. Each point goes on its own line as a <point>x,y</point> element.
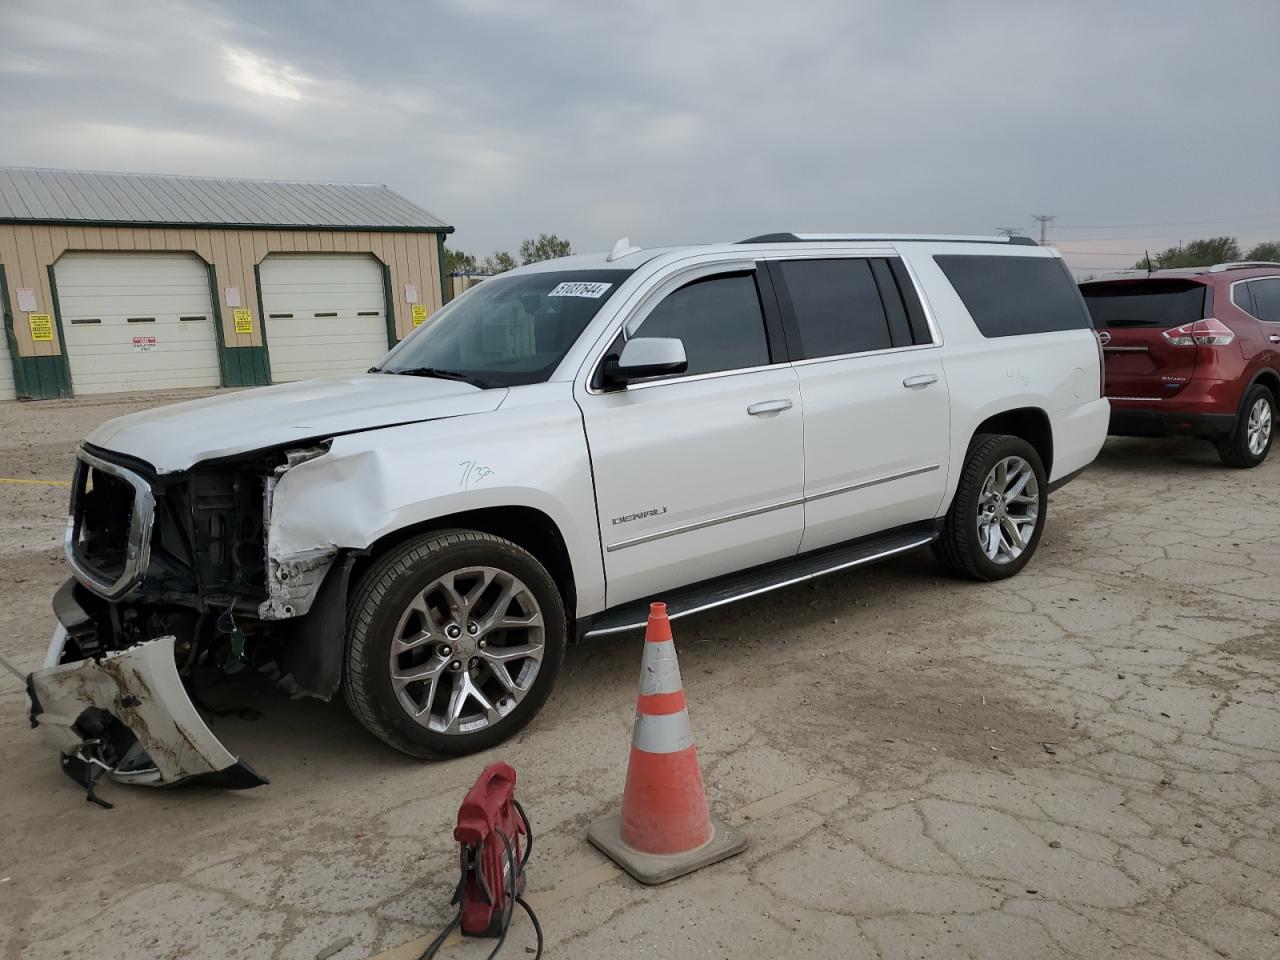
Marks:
<point>326,314</point>
<point>136,321</point>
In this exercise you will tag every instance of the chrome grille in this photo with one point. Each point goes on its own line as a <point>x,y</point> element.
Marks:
<point>108,537</point>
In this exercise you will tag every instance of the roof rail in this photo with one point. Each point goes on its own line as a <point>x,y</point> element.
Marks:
<point>1241,265</point>
<point>937,238</point>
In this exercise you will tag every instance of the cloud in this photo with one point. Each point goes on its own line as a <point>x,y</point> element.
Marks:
<point>612,118</point>
<point>257,75</point>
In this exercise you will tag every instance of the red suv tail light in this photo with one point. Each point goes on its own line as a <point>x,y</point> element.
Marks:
<point>1205,333</point>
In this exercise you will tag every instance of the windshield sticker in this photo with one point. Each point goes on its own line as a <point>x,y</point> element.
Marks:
<point>580,288</point>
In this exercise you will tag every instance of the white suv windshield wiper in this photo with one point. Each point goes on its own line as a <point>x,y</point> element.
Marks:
<point>438,374</point>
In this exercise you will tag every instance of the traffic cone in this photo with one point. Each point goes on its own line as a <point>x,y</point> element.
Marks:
<point>664,830</point>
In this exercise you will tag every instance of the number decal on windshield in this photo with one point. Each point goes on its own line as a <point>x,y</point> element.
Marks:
<point>579,288</point>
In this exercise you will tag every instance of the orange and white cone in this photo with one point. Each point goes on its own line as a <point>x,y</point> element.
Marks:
<point>664,830</point>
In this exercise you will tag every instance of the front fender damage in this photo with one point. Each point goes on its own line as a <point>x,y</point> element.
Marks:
<point>126,715</point>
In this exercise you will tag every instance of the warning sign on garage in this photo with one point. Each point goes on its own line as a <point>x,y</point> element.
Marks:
<point>419,314</point>
<point>144,344</point>
<point>41,327</point>
<point>244,321</point>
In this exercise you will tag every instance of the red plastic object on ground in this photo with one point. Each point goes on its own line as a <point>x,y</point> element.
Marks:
<point>488,813</point>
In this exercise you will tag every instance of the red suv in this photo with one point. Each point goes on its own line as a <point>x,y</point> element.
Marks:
<point>1193,352</point>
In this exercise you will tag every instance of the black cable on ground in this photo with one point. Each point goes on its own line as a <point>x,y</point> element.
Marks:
<point>438,942</point>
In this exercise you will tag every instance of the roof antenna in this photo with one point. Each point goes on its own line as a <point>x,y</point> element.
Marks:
<point>1148,253</point>
<point>621,249</point>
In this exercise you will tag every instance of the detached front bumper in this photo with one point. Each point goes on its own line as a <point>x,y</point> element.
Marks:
<point>127,715</point>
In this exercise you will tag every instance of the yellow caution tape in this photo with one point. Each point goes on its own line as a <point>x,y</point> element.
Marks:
<point>38,483</point>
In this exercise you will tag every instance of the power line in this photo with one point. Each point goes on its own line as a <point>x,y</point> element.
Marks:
<point>1168,234</point>
<point>1102,253</point>
<point>1170,223</point>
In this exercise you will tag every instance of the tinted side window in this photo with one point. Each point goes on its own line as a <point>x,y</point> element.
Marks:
<point>718,319</point>
<point>920,332</point>
<point>1266,299</point>
<point>1012,296</point>
<point>1242,298</point>
<point>836,305</point>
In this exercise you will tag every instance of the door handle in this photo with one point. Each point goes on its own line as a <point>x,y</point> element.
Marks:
<point>920,380</point>
<point>768,407</point>
<point>1273,338</point>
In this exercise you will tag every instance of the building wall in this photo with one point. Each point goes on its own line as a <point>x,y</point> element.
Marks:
<point>28,250</point>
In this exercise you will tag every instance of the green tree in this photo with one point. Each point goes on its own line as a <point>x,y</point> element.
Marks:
<point>547,247</point>
<point>455,261</point>
<point>1270,251</point>
<point>1197,253</point>
<point>498,262</point>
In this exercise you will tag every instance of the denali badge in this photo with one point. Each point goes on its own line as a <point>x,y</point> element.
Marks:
<point>652,512</point>
<point>1104,338</point>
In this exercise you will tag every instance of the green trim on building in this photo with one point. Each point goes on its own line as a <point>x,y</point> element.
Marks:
<point>43,378</point>
<point>444,277</point>
<point>239,366</point>
<point>36,378</point>
<point>22,370</point>
<point>246,367</point>
<point>389,295</point>
<point>261,356</point>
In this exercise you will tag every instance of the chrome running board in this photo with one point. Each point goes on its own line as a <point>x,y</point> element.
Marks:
<point>709,594</point>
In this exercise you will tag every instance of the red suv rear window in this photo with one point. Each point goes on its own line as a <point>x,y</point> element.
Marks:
<point>1144,303</point>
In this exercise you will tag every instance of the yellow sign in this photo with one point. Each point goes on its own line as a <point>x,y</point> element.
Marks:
<point>41,327</point>
<point>244,321</point>
<point>419,314</point>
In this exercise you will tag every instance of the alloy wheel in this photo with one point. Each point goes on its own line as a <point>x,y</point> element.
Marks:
<point>1258,428</point>
<point>467,649</point>
<point>1008,509</point>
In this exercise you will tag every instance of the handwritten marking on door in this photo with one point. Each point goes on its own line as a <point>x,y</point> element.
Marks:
<point>473,472</point>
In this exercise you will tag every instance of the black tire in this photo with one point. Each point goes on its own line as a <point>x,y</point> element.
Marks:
<point>958,548</point>
<point>1233,449</point>
<point>384,594</point>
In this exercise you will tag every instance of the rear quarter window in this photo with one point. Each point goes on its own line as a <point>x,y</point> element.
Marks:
<point>1266,299</point>
<point>1014,296</point>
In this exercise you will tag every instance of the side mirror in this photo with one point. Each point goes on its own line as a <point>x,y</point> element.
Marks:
<point>644,357</point>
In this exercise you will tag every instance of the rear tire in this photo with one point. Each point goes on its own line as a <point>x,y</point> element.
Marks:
<point>998,513</point>
<point>454,641</point>
<point>1248,444</point>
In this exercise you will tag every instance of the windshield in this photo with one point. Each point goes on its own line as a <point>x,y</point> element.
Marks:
<point>1144,303</point>
<point>508,330</point>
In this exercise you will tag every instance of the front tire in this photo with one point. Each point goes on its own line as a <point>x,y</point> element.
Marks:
<point>999,510</point>
<point>1249,443</point>
<point>454,641</point>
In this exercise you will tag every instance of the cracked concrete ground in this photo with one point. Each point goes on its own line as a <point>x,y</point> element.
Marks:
<point>1083,761</point>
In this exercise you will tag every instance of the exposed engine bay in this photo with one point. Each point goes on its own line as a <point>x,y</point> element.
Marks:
<point>175,589</point>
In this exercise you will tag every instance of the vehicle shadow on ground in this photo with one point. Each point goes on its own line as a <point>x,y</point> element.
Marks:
<point>297,743</point>
<point>1155,456</point>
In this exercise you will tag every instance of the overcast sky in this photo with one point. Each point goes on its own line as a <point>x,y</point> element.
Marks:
<point>690,121</point>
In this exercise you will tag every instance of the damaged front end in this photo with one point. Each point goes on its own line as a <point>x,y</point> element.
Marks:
<point>176,588</point>
<point>128,716</point>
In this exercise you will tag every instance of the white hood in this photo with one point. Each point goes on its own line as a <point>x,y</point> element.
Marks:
<point>175,437</point>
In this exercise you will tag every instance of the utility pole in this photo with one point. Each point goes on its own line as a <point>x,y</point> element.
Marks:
<point>1009,231</point>
<point>1044,219</point>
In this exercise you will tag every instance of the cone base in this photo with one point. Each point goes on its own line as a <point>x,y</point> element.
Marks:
<point>654,868</point>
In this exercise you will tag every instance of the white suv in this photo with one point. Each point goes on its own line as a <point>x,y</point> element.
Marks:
<point>555,448</point>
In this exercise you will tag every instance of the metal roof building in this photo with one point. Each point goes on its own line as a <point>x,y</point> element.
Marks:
<point>133,282</point>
